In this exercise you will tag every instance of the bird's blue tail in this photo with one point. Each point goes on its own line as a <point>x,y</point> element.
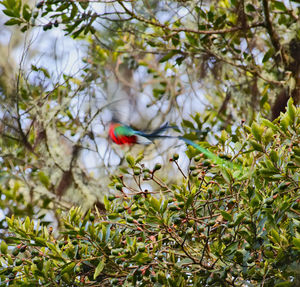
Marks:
<point>157,133</point>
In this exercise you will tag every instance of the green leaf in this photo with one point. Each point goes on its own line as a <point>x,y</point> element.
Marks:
<point>231,248</point>
<point>239,218</point>
<point>192,39</point>
<point>12,22</point>
<point>130,160</point>
<point>223,137</point>
<point>264,96</point>
<point>24,28</point>
<point>141,258</point>
<point>226,174</point>
<point>27,223</point>
<point>190,200</point>
<point>124,170</point>
<point>250,8</point>
<point>274,156</point>
<point>10,221</point>
<point>268,55</point>
<point>3,247</point>
<point>188,124</point>
<point>284,122</point>
<point>77,33</point>
<point>10,13</point>
<point>68,267</point>
<point>139,157</point>
<point>169,55</point>
<point>291,109</point>
<point>114,216</point>
<point>234,2</point>
<point>11,3</point>
<point>185,261</point>
<point>26,12</point>
<point>179,60</point>
<point>268,136</point>
<point>63,6</point>
<point>9,260</point>
<point>40,241</point>
<point>269,124</point>
<point>84,5</point>
<point>226,215</point>
<point>99,268</point>
<point>256,145</point>
<point>53,248</point>
<point>280,6</point>
<point>44,179</point>
<point>74,11</point>
<point>254,202</point>
<point>296,242</point>
<point>275,236</point>
<point>34,68</point>
<point>45,72</point>
<point>155,203</point>
<point>256,131</point>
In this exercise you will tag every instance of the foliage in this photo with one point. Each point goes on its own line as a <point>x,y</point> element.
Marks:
<point>215,228</point>
<point>242,52</point>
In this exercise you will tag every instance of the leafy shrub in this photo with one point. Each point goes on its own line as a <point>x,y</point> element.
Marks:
<point>219,227</point>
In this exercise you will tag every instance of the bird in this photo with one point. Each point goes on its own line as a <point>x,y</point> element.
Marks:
<point>125,135</point>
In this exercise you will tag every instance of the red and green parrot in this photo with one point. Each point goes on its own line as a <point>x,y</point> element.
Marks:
<point>123,134</point>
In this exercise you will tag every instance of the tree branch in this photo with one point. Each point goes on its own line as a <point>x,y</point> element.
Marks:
<point>206,32</point>
<point>273,36</point>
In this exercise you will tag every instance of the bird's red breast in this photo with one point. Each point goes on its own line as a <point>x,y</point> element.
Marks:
<point>120,139</point>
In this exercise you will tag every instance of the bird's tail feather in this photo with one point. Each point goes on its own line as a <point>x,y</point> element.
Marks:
<point>215,159</point>
<point>158,131</point>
